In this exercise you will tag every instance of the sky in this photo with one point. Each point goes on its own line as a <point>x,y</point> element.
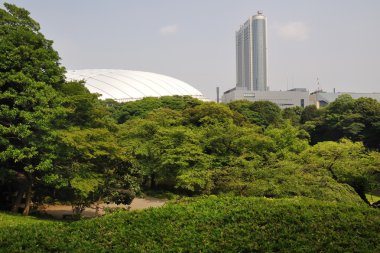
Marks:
<point>335,43</point>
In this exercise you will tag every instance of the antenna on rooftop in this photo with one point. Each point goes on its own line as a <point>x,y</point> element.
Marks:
<point>318,86</point>
<point>287,83</point>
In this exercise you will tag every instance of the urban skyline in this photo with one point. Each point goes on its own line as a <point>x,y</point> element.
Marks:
<point>335,41</point>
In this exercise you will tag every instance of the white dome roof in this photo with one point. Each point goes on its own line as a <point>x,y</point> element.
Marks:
<point>128,85</point>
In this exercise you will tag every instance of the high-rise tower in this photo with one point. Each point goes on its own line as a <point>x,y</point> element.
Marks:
<point>251,54</point>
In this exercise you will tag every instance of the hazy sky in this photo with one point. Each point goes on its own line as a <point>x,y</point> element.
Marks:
<point>337,41</point>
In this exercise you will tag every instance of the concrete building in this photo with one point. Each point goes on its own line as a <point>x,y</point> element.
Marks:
<point>251,69</point>
<point>251,54</point>
<point>251,73</point>
<point>284,99</point>
<point>321,98</point>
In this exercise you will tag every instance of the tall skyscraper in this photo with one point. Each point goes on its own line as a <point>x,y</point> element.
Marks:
<point>251,54</point>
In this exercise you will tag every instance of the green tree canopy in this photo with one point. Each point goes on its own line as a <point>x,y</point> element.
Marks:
<point>262,113</point>
<point>29,72</point>
<point>310,112</point>
<point>355,119</point>
<point>24,50</point>
<point>209,113</point>
<point>346,162</point>
<point>138,109</point>
<point>293,114</point>
<point>268,113</point>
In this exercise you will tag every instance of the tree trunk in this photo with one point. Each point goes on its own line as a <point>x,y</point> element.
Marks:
<point>362,196</point>
<point>78,208</point>
<point>17,202</point>
<point>97,207</point>
<point>330,169</point>
<point>28,198</point>
<point>153,182</point>
<point>21,181</point>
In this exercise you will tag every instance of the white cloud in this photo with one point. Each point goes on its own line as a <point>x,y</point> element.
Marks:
<point>169,29</point>
<point>293,31</point>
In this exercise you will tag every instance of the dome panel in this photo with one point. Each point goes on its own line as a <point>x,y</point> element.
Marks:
<point>128,85</point>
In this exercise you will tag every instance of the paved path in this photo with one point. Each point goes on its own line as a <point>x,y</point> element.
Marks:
<point>58,211</point>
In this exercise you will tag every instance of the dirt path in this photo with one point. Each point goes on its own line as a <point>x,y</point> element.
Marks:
<point>59,211</point>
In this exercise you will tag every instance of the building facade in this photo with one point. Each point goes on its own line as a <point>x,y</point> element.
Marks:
<point>251,54</point>
<point>284,99</point>
<point>321,98</point>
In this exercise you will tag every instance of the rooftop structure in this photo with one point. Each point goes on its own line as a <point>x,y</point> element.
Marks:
<point>284,99</point>
<point>321,98</point>
<point>128,85</point>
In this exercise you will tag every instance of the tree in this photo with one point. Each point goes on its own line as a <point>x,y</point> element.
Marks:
<point>93,167</point>
<point>208,113</point>
<point>310,112</point>
<point>179,103</point>
<point>262,113</point>
<point>244,108</point>
<point>164,149</point>
<point>29,74</point>
<point>136,109</point>
<point>293,114</point>
<point>165,117</point>
<point>140,108</point>
<point>23,49</point>
<point>357,120</point>
<point>369,111</point>
<point>179,153</point>
<point>84,109</point>
<point>268,113</point>
<point>345,162</point>
<point>343,104</point>
<point>287,141</point>
<point>136,135</point>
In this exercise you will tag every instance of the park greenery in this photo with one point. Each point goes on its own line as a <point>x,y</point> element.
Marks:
<point>295,175</point>
<point>208,224</point>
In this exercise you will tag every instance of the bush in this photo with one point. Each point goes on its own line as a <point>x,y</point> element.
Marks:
<point>212,224</point>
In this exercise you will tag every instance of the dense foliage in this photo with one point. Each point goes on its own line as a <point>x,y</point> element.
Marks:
<point>29,102</point>
<point>60,142</point>
<point>228,224</point>
<point>55,135</point>
<point>57,140</point>
<point>297,178</point>
<point>356,119</point>
<point>210,149</point>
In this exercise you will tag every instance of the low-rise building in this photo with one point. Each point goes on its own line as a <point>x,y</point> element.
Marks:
<point>284,99</point>
<point>321,98</point>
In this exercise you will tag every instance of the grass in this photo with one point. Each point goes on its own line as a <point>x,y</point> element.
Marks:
<point>212,224</point>
<point>161,194</point>
<point>372,198</point>
<point>14,220</point>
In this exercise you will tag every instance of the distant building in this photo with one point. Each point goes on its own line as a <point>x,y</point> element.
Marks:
<point>251,54</point>
<point>321,98</point>
<point>128,85</point>
<point>284,99</point>
<point>251,69</point>
<point>251,73</point>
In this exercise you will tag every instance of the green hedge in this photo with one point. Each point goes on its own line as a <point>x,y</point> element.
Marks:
<point>213,224</point>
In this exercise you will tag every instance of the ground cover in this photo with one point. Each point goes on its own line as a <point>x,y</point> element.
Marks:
<point>372,198</point>
<point>14,220</point>
<point>212,224</point>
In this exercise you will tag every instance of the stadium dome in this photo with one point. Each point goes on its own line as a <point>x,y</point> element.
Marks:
<point>128,85</point>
